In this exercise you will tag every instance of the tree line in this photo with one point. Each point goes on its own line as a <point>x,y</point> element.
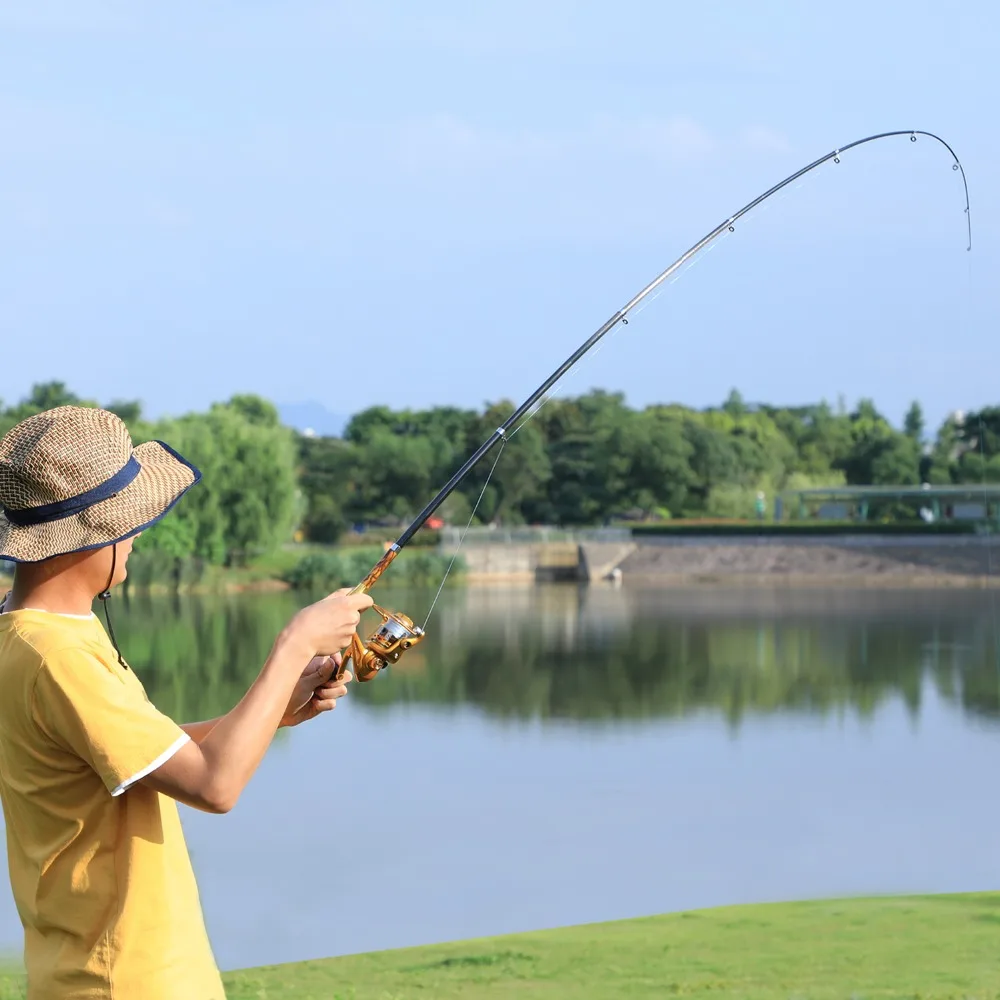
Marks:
<point>585,460</point>
<point>592,460</point>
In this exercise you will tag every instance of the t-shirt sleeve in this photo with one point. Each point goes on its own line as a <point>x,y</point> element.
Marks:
<point>87,707</point>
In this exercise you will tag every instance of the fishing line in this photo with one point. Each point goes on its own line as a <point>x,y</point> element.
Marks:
<point>988,533</point>
<point>482,492</point>
<point>989,529</point>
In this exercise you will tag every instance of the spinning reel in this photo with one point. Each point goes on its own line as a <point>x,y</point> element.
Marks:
<point>385,645</point>
<point>390,640</point>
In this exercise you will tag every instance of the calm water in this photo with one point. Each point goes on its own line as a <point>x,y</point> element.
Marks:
<point>558,755</point>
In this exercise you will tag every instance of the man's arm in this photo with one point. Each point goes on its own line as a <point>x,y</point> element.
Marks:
<point>199,730</point>
<point>211,773</point>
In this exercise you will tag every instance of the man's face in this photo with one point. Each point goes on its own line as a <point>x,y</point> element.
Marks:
<point>100,562</point>
<point>124,551</point>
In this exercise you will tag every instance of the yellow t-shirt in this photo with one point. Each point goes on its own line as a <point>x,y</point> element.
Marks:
<point>99,866</point>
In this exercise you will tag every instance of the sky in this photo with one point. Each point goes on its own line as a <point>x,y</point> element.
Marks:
<point>435,204</point>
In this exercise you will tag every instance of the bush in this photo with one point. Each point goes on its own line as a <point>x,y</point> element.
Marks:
<point>330,571</point>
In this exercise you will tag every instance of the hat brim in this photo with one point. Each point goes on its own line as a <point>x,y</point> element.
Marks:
<point>163,479</point>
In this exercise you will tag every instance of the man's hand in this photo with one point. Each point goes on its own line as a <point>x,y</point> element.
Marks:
<point>326,627</point>
<point>315,692</point>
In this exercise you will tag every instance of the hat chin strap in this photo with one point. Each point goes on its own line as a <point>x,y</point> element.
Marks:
<point>104,600</point>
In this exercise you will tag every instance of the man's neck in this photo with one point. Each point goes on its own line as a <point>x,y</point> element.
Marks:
<point>59,596</point>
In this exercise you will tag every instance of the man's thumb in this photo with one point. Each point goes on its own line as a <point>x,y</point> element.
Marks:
<point>327,668</point>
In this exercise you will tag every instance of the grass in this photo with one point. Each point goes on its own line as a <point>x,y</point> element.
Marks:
<point>928,947</point>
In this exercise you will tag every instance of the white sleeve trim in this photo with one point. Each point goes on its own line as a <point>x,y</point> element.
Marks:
<point>162,759</point>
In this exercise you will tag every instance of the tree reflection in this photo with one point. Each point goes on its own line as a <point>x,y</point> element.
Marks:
<point>597,654</point>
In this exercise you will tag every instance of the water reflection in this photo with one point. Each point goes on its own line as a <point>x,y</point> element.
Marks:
<point>594,653</point>
<point>556,755</point>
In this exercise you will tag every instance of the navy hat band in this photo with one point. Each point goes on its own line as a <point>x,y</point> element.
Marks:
<point>73,505</point>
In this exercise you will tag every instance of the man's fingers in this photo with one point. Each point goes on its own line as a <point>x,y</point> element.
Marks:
<point>328,691</point>
<point>325,700</point>
<point>356,601</point>
<point>333,686</point>
<point>335,689</point>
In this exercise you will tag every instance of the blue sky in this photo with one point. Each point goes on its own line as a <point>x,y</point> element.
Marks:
<point>419,204</point>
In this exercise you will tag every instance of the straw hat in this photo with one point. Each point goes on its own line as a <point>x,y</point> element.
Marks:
<point>71,480</point>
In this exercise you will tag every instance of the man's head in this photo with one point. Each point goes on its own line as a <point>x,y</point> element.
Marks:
<point>93,570</point>
<point>75,493</point>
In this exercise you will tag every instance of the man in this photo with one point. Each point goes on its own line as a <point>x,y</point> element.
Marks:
<point>89,768</point>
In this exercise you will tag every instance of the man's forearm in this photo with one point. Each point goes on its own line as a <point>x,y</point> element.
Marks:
<point>237,742</point>
<point>212,771</point>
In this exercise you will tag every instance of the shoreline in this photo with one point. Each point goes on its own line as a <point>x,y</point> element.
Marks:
<point>700,561</point>
<point>666,581</point>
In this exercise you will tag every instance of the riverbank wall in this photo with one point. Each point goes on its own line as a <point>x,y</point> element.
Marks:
<point>824,560</point>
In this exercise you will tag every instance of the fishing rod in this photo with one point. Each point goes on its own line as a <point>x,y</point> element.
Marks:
<point>398,633</point>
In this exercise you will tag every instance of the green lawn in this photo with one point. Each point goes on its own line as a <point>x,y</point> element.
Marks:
<point>914,947</point>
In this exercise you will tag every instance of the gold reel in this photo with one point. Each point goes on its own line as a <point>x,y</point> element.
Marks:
<point>390,640</point>
<point>385,645</point>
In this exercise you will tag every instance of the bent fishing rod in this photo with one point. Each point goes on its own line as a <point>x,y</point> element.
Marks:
<point>398,633</point>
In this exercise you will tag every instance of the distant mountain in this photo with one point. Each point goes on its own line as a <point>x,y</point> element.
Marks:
<point>313,417</point>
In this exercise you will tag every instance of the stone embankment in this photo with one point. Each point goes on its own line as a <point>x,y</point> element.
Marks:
<point>852,560</point>
<point>857,561</point>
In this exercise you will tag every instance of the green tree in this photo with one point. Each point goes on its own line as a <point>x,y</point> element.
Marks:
<point>913,422</point>
<point>396,474</point>
<point>255,409</point>
<point>130,411</point>
<point>714,461</point>
<point>522,474</point>
<point>879,455</point>
<point>47,396</point>
<point>734,404</point>
<point>589,468</point>
<point>979,432</point>
<point>659,457</point>
<point>325,521</point>
<point>43,396</point>
<point>328,470</point>
<point>246,503</point>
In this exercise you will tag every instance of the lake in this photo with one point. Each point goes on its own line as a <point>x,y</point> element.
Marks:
<point>559,755</point>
